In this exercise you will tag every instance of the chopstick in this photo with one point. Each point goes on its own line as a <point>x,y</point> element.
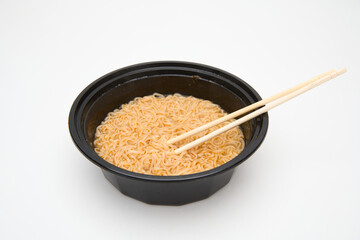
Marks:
<point>246,109</point>
<point>280,97</point>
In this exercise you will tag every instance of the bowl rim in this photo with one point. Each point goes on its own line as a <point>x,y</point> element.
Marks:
<point>74,124</point>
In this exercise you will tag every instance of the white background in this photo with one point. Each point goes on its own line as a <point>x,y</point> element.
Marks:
<point>304,181</point>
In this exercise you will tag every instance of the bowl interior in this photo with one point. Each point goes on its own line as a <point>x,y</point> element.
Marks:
<point>111,98</point>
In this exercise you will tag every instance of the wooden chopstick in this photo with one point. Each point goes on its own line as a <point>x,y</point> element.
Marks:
<point>245,109</point>
<point>290,94</point>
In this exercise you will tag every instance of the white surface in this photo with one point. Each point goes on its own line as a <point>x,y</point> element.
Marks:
<point>304,181</point>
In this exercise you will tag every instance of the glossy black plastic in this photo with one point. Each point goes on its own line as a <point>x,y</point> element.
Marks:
<point>166,77</point>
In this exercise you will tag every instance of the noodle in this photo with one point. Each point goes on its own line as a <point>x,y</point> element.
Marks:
<point>134,136</point>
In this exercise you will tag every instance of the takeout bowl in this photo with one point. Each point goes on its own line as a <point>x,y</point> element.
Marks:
<point>166,77</point>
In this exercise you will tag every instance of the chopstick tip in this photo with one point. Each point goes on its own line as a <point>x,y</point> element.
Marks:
<point>341,71</point>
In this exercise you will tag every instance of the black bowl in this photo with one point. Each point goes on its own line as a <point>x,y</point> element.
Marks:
<point>166,77</point>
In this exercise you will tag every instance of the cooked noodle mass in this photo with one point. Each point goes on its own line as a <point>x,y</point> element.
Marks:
<point>134,136</point>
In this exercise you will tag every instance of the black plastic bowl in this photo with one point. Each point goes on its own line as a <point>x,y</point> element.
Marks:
<point>166,77</point>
